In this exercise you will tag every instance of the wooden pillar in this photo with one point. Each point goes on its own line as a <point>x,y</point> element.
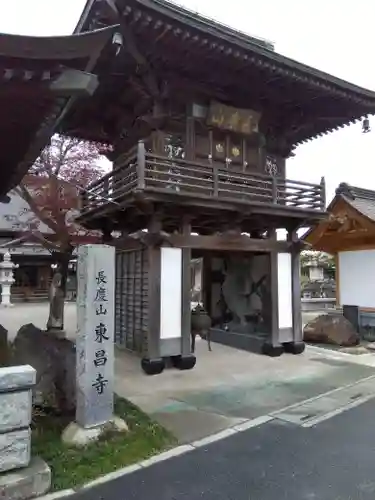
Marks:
<point>158,142</point>
<point>337,278</point>
<point>152,362</point>
<point>153,340</point>
<point>296,346</point>
<point>274,299</point>
<point>186,360</point>
<point>272,347</point>
<point>296,296</point>
<point>186,293</point>
<point>190,138</point>
<point>141,165</point>
<point>207,284</point>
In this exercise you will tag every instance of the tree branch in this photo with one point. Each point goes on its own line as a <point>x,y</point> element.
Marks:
<point>25,194</point>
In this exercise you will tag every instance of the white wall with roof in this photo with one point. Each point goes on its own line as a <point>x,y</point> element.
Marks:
<point>17,216</point>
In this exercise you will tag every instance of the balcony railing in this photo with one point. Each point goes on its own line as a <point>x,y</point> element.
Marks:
<point>142,171</point>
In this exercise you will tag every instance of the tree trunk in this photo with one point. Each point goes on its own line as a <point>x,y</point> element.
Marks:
<point>63,260</point>
<point>57,291</point>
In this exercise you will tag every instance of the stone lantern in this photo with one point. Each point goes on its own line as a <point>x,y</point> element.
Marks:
<point>6,279</point>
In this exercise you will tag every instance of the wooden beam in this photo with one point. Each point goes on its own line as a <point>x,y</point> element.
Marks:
<point>227,242</point>
<point>321,237</point>
<point>127,243</point>
<point>335,244</point>
<point>72,82</point>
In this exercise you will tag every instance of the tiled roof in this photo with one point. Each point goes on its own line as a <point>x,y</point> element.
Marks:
<point>363,200</point>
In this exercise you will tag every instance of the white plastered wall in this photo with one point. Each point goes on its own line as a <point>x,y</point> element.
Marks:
<point>356,279</point>
<point>170,293</point>
<point>284,273</point>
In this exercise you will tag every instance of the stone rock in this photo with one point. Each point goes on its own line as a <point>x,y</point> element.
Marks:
<point>15,410</point>
<point>331,329</point>
<point>355,350</point>
<point>15,450</point>
<point>14,378</point>
<point>55,363</point>
<point>23,484</point>
<point>4,348</point>
<point>75,435</point>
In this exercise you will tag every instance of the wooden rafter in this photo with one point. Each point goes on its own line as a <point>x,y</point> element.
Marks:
<point>342,228</point>
<point>145,70</point>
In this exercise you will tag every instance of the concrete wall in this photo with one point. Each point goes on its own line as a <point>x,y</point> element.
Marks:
<point>16,383</point>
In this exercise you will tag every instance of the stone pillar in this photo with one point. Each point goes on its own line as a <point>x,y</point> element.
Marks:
<point>94,346</point>
<point>6,279</point>
<point>20,476</point>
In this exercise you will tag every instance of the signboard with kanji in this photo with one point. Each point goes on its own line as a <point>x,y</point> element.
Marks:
<point>95,335</point>
<point>242,121</point>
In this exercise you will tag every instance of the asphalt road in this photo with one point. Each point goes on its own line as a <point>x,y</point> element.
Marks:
<point>333,461</point>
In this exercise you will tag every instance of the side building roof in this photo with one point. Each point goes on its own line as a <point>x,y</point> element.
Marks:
<point>40,79</point>
<point>362,200</point>
<point>350,219</point>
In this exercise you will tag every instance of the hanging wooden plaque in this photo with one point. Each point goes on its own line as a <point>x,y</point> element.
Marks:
<point>243,121</point>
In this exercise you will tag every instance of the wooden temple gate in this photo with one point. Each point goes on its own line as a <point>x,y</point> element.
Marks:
<point>199,171</point>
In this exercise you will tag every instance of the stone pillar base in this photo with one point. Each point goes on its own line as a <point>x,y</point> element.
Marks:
<point>6,304</point>
<point>274,351</point>
<point>29,482</point>
<point>153,366</point>
<point>294,347</point>
<point>184,362</point>
<point>75,435</point>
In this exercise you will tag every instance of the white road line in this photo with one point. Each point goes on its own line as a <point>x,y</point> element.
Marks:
<point>338,411</point>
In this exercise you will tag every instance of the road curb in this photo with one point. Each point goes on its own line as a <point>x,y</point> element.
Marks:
<point>162,457</point>
<point>200,443</point>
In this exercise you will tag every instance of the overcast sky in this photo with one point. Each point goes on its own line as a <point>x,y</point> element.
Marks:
<point>333,36</point>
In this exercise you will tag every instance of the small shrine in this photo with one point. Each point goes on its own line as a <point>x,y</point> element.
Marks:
<point>348,233</point>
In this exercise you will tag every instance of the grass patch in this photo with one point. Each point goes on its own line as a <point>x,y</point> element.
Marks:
<point>73,467</point>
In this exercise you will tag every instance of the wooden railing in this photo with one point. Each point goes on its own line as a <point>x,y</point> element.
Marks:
<point>141,171</point>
